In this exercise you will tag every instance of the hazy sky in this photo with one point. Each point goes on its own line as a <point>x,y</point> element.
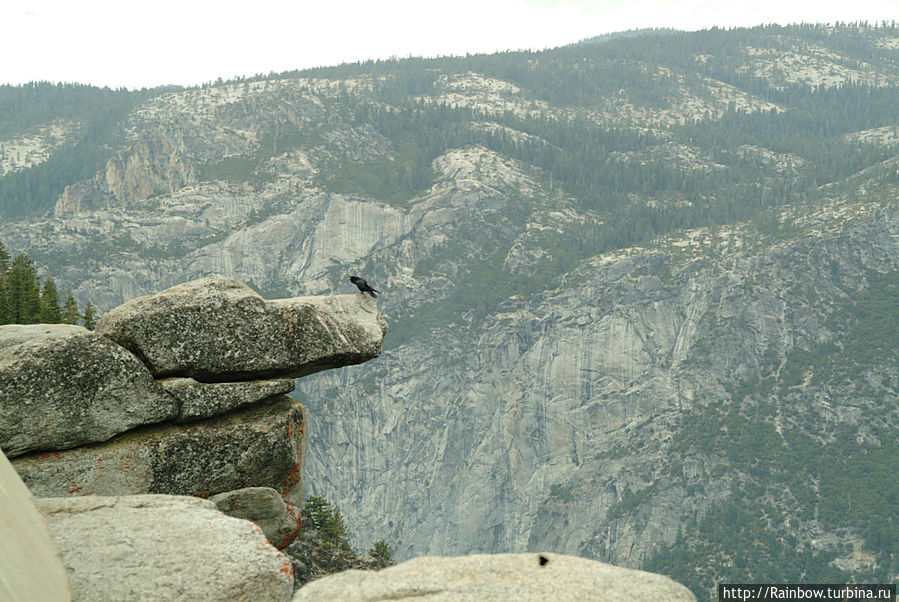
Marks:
<point>143,43</point>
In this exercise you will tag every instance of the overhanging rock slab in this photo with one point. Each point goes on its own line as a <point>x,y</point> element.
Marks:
<point>218,329</point>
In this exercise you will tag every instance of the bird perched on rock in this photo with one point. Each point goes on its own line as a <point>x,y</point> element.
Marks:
<point>363,286</point>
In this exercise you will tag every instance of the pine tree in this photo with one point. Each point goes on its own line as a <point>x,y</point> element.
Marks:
<point>316,507</point>
<point>70,309</point>
<point>329,521</point>
<point>336,530</point>
<point>4,261</point>
<point>24,301</point>
<point>89,316</point>
<point>24,304</point>
<point>4,288</point>
<point>4,302</point>
<point>50,310</point>
<point>382,552</point>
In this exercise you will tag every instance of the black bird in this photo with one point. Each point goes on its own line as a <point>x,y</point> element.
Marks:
<point>363,286</point>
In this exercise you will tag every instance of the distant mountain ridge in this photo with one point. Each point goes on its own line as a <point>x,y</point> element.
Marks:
<point>630,33</point>
<point>639,291</point>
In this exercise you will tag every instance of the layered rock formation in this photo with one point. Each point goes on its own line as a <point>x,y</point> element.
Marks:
<point>238,443</point>
<point>260,446</point>
<point>238,434</point>
<point>106,429</point>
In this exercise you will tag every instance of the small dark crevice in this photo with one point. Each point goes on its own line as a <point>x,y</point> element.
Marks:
<point>543,560</point>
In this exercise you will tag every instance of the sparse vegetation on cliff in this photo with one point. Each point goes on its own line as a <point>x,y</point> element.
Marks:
<point>323,547</point>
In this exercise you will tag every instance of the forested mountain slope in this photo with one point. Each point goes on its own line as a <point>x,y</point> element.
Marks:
<point>641,289</point>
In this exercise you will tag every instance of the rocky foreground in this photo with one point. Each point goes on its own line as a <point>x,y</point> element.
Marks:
<point>168,464</point>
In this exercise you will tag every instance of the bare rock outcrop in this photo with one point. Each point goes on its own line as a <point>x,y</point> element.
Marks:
<point>96,435</point>
<point>162,547</point>
<point>86,407</point>
<point>62,385</point>
<point>218,329</point>
<point>498,577</point>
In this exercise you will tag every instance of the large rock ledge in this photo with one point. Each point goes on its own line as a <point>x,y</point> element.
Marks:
<point>260,446</point>
<point>63,385</point>
<point>161,547</point>
<point>497,578</point>
<point>218,329</point>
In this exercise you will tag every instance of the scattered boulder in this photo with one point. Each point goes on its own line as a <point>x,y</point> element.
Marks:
<point>497,577</point>
<point>30,564</point>
<point>201,400</point>
<point>265,507</point>
<point>260,446</point>
<point>63,385</point>
<point>160,547</point>
<point>218,329</point>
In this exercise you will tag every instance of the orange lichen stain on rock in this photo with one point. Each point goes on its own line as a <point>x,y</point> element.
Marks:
<point>289,539</point>
<point>292,479</point>
<point>296,513</point>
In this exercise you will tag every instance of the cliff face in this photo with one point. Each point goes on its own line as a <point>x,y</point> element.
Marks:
<point>539,426</point>
<point>626,307</point>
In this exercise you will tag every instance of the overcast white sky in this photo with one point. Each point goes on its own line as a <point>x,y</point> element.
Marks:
<point>144,43</point>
